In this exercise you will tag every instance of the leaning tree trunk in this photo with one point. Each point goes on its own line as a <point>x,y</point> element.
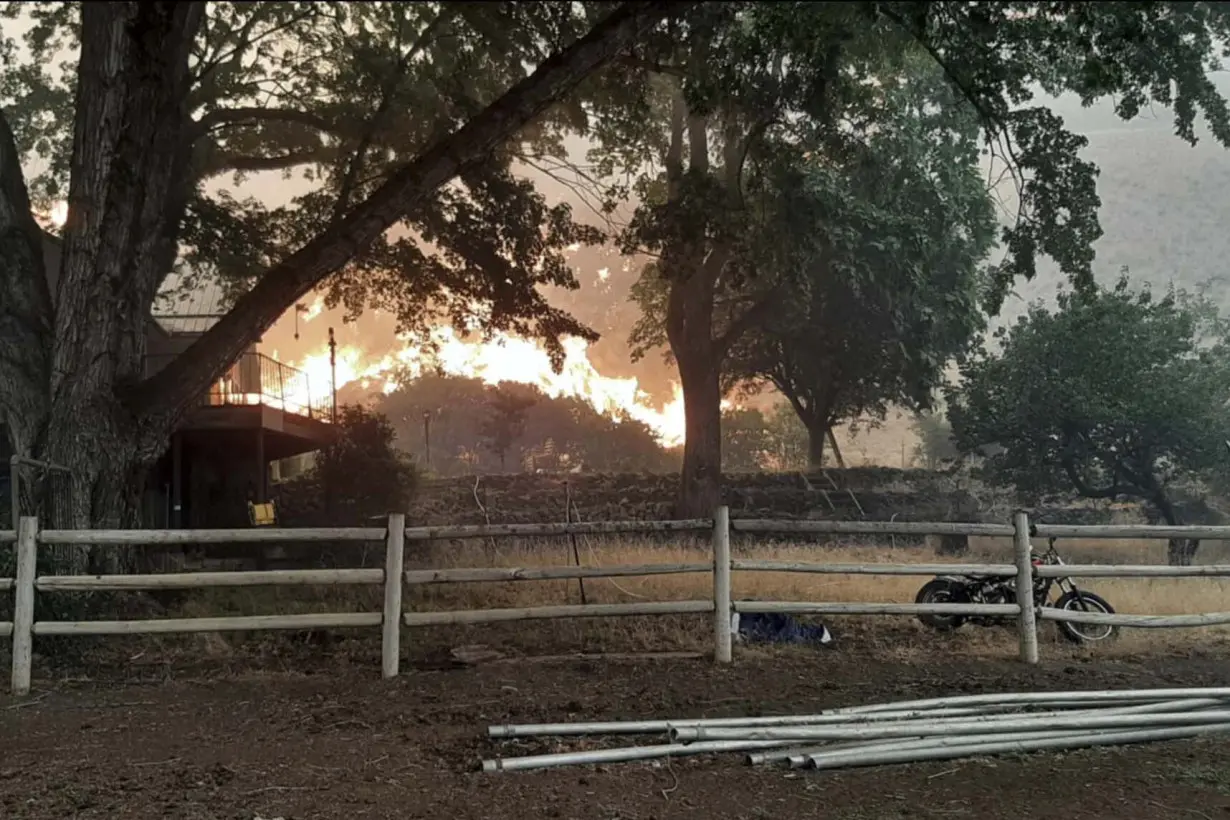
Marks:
<point>817,438</point>
<point>1180,552</point>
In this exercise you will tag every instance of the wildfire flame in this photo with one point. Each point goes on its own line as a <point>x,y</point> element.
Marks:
<point>509,359</point>
<point>503,359</point>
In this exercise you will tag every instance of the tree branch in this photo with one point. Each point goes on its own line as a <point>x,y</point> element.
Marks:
<point>222,163</point>
<point>746,321</point>
<point>246,115</point>
<point>653,66</point>
<point>1085,489</point>
<point>916,28</point>
<point>172,389</point>
<point>376,121</point>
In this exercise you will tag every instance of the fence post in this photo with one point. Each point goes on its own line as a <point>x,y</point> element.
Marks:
<point>23,609</point>
<point>394,558</point>
<point>1026,622</point>
<point>721,585</point>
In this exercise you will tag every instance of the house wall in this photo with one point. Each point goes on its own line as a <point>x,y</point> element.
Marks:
<point>219,474</point>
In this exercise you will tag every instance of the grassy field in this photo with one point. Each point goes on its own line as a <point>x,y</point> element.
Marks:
<point>897,637</point>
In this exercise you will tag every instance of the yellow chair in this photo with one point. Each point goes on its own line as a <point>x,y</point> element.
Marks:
<point>262,515</point>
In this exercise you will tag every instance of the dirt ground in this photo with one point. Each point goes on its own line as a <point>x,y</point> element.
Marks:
<point>337,742</point>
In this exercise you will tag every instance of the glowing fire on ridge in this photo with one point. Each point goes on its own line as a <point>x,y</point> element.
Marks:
<point>510,359</point>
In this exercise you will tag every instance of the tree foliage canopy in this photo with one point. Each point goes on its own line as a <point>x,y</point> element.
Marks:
<point>535,431</point>
<point>402,122</point>
<point>754,440</point>
<point>337,97</point>
<point>362,471</point>
<point>401,119</point>
<point>1115,393</point>
<point>892,294</point>
<point>739,97</point>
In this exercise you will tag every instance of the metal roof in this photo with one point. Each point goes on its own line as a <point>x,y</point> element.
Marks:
<point>195,311</point>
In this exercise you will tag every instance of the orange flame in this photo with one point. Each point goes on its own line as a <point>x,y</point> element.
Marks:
<point>510,359</point>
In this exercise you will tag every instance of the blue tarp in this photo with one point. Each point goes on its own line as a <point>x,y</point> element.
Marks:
<point>776,627</point>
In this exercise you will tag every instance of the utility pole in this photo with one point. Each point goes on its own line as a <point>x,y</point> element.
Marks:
<point>333,375</point>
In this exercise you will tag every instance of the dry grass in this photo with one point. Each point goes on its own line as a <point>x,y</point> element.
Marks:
<point>890,637</point>
<point>890,634</point>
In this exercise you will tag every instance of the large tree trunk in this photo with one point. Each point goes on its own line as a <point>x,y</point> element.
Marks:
<point>817,438</point>
<point>126,199</point>
<point>700,486</point>
<point>693,264</point>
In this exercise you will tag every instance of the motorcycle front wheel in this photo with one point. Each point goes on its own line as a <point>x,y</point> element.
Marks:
<point>1081,601</point>
<point>942,591</point>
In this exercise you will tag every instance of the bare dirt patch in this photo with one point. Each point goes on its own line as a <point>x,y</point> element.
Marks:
<point>339,743</point>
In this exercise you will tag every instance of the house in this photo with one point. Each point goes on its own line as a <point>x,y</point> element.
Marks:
<point>219,456</point>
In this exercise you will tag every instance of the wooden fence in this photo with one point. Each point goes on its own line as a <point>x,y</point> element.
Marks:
<point>393,578</point>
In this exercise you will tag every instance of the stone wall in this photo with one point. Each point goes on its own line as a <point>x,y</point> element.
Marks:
<point>860,493</point>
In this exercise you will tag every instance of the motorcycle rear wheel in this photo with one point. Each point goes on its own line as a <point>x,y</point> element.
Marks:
<point>942,591</point>
<point>1086,633</point>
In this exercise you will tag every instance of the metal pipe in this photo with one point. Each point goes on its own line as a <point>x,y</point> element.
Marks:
<point>785,753</point>
<point>1004,700</point>
<point>1094,696</point>
<point>921,728</point>
<point>802,759</point>
<point>648,727</point>
<point>758,758</point>
<point>928,728</point>
<point>629,753</point>
<point>776,755</point>
<point>928,718</point>
<point>887,756</point>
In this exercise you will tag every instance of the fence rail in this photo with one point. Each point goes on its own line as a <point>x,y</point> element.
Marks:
<point>1145,531</point>
<point>205,580</point>
<point>746,565</point>
<point>534,613</point>
<point>240,623</point>
<point>468,576</point>
<point>872,528</point>
<point>465,531</point>
<point>394,577</point>
<point>271,535</point>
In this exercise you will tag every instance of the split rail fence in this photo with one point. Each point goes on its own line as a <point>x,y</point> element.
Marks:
<point>27,540</point>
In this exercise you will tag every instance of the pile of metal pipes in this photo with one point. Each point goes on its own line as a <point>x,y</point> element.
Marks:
<point>903,732</point>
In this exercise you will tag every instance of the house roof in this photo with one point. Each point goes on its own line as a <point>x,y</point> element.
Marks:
<point>173,313</point>
<point>193,312</point>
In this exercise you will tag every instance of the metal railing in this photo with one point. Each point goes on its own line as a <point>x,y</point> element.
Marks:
<point>720,605</point>
<point>258,380</point>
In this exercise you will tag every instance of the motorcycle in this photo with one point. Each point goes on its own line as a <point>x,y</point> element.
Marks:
<point>999,589</point>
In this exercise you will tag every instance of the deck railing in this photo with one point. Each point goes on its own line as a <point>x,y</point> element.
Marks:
<point>256,379</point>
